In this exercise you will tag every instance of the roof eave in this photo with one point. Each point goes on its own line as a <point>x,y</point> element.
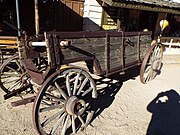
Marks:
<point>151,7</point>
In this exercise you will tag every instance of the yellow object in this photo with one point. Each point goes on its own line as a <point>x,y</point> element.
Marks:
<point>153,42</point>
<point>109,27</point>
<point>8,41</point>
<point>63,67</point>
<point>163,24</point>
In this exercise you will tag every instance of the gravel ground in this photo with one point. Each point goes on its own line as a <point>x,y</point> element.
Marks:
<point>125,107</point>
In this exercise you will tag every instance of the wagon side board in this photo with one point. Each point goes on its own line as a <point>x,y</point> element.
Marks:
<point>108,52</point>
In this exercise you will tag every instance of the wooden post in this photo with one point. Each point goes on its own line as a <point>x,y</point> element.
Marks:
<point>36,17</point>
<point>118,20</point>
<point>18,20</point>
<point>107,53</point>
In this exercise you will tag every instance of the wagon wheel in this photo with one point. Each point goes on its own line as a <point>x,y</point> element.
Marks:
<point>152,63</point>
<point>65,102</point>
<point>12,75</point>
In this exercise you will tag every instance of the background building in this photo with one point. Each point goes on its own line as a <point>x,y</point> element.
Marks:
<point>78,15</point>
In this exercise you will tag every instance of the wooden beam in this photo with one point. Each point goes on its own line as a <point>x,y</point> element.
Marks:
<point>143,7</point>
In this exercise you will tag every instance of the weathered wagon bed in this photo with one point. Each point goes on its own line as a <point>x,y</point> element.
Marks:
<point>111,52</point>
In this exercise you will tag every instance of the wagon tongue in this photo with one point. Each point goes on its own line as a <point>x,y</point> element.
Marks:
<point>17,91</point>
<point>23,101</point>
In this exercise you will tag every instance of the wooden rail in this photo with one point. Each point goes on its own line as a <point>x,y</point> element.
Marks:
<point>172,44</point>
<point>8,42</point>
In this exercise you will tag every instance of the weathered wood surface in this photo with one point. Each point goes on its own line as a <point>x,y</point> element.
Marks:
<point>86,47</point>
<point>113,51</point>
<point>145,43</point>
<point>96,47</point>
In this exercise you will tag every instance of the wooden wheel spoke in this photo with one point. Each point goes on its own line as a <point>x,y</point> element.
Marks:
<point>54,128</point>
<point>87,91</point>
<point>6,75</point>
<point>94,94</point>
<point>53,97</point>
<point>73,124</point>
<point>65,125</point>
<point>12,69</point>
<point>158,54</point>
<point>76,82</point>
<point>151,59</point>
<point>15,84</point>
<point>60,90</point>
<point>155,50</point>
<point>18,63</point>
<point>148,65</point>
<point>10,81</point>
<point>82,86</point>
<point>149,62</point>
<point>147,69</point>
<point>89,117</point>
<point>153,74</point>
<point>46,103</point>
<point>48,120</point>
<point>81,120</point>
<point>148,77</point>
<point>68,85</point>
<point>50,108</point>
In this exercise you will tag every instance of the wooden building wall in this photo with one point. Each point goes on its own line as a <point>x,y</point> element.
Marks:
<point>64,15</point>
<point>69,15</point>
<point>92,15</point>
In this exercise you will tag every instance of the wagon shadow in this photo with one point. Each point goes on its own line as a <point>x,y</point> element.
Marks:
<point>106,95</point>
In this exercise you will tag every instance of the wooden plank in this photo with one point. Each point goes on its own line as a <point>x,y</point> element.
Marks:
<point>8,38</point>
<point>8,47</point>
<point>8,41</point>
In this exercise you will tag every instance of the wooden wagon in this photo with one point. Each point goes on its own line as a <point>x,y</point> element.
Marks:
<point>66,99</point>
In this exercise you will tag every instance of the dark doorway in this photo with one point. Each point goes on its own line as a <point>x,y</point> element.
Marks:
<point>147,20</point>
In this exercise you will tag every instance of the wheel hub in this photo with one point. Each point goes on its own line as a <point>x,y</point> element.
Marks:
<point>75,106</point>
<point>156,65</point>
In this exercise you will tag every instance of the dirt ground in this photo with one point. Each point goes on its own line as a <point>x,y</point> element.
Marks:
<point>125,107</point>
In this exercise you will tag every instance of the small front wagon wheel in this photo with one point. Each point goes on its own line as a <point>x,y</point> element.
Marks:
<point>13,75</point>
<point>152,63</point>
<point>65,102</point>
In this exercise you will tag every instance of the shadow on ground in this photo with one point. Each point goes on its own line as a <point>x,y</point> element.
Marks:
<point>165,109</point>
<point>106,95</point>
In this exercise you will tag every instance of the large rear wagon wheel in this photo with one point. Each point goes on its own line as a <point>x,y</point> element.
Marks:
<point>12,75</point>
<point>152,63</point>
<point>65,103</point>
